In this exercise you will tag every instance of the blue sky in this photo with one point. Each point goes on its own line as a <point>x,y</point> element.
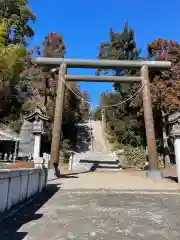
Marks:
<point>85,24</point>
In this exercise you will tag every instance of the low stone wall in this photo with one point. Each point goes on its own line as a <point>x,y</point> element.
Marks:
<point>17,185</point>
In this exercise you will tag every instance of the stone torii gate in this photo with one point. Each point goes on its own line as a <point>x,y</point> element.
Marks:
<point>144,67</point>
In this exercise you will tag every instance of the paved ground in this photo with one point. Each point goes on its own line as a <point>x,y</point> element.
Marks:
<point>171,171</point>
<point>65,212</point>
<point>121,180</point>
<point>99,142</point>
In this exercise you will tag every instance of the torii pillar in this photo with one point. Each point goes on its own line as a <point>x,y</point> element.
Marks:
<point>58,114</point>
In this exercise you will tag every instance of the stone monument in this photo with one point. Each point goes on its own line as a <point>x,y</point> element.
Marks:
<point>26,144</point>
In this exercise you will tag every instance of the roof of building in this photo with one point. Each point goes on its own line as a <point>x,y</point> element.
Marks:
<point>38,112</point>
<point>7,134</point>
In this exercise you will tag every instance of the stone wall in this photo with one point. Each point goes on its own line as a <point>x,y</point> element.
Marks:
<point>17,185</point>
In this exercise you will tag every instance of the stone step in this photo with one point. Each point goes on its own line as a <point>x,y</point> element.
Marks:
<point>102,164</point>
<point>108,169</point>
<point>100,161</point>
<point>108,165</point>
<point>81,167</point>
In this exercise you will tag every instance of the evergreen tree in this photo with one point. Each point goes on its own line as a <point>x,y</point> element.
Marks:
<point>122,46</point>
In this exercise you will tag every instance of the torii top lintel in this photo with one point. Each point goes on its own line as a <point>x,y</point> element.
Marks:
<point>101,64</point>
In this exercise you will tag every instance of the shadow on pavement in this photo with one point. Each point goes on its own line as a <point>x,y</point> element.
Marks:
<point>175,179</point>
<point>68,176</point>
<point>75,173</point>
<point>9,227</point>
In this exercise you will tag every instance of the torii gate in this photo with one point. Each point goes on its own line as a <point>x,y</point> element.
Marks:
<point>144,67</point>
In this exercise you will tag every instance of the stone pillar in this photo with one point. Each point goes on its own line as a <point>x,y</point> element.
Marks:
<point>177,154</point>
<point>174,132</point>
<point>71,161</point>
<point>37,145</point>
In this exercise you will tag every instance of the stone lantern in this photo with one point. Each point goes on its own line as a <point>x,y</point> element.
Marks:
<point>174,133</point>
<point>37,119</point>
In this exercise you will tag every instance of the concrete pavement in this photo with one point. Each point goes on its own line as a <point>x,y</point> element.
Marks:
<point>99,206</point>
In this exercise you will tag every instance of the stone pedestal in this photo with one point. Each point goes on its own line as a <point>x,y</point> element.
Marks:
<point>156,175</point>
<point>42,162</point>
<point>38,162</point>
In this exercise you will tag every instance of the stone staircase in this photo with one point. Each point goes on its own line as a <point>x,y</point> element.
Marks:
<point>98,157</point>
<point>101,162</point>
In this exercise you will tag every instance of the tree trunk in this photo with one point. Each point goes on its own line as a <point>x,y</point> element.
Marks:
<point>167,160</point>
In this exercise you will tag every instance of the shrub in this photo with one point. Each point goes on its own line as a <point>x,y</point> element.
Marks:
<point>65,151</point>
<point>134,156</point>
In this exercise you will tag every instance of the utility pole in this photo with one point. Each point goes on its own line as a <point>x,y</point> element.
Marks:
<point>57,128</point>
<point>149,121</point>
